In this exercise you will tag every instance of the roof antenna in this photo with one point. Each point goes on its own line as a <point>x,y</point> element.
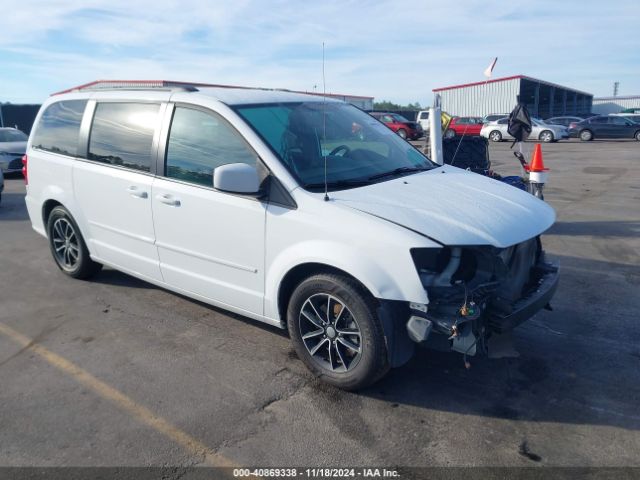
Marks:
<point>324,128</point>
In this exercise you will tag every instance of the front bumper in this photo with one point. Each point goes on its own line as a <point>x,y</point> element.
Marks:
<point>529,305</point>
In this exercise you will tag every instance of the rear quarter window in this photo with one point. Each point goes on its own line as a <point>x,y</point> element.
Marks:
<point>59,127</point>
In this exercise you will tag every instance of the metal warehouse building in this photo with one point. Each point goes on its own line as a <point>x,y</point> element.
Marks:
<point>605,105</point>
<point>543,99</point>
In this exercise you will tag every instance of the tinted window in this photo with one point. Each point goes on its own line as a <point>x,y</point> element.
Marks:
<point>122,134</point>
<point>599,120</point>
<point>199,142</point>
<point>618,121</point>
<point>424,115</point>
<point>503,121</point>
<point>59,127</point>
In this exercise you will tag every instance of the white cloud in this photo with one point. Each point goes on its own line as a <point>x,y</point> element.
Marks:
<point>379,48</point>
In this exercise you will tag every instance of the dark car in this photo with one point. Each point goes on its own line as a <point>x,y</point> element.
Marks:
<point>403,127</point>
<point>605,126</point>
<point>564,121</point>
<point>13,144</point>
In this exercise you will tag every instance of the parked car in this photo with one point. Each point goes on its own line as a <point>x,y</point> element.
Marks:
<point>423,119</point>
<point>13,144</point>
<point>463,125</point>
<point>360,245</point>
<point>564,121</point>
<point>605,126</point>
<point>1,184</point>
<point>497,131</point>
<point>403,127</point>
<point>492,117</point>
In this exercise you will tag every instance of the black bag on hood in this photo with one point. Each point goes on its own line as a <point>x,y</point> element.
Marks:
<point>519,123</point>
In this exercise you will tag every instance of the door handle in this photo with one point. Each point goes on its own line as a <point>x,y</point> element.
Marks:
<point>168,199</point>
<point>135,192</point>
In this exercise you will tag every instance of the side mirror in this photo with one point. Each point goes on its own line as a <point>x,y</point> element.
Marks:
<point>236,178</point>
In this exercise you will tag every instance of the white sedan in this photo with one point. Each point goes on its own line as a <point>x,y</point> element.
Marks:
<point>496,131</point>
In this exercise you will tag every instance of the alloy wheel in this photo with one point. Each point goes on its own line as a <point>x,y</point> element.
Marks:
<point>65,244</point>
<point>330,333</point>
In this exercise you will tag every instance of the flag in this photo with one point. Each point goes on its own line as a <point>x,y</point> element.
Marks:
<point>489,69</point>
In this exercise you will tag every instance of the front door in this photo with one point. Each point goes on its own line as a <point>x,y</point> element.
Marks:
<point>210,243</point>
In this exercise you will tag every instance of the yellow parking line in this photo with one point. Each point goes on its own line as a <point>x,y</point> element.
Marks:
<point>119,399</point>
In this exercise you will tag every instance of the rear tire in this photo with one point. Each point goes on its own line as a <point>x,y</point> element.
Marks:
<point>546,136</point>
<point>403,133</point>
<point>67,246</point>
<point>495,136</point>
<point>637,135</point>
<point>335,331</point>
<point>449,133</point>
<point>586,135</point>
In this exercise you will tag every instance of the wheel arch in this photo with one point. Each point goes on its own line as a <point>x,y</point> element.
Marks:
<point>47,207</point>
<point>305,270</point>
<point>391,278</point>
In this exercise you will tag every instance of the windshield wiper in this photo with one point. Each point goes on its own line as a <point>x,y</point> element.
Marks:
<point>398,171</point>
<point>339,184</point>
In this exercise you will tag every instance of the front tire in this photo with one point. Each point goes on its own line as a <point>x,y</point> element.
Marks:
<point>637,136</point>
<point>495,136</point>
<point>335,331</point>
<point>403,133</point>
<point>449,133</point>
<point>68,248</point>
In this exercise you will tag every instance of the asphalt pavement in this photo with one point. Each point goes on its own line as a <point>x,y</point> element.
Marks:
<point>117,372</point>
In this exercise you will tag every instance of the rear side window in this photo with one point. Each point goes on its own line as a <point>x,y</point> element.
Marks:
<point>618,121</point>
<point>201,141</point>
<point>59,127</point>
<point>122,134</point>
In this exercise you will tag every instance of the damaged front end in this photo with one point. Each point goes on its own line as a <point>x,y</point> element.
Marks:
<point>478,294</point>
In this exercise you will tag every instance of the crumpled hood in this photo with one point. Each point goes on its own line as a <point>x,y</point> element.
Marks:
<point>454,207</point>
<point>13,147</point>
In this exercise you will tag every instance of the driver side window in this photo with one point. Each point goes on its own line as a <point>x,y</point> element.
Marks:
<point>201,141</point>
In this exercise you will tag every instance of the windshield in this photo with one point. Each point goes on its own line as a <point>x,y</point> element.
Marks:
<point>12,136</point>
<point>399,118</point>
<point>359,150</point>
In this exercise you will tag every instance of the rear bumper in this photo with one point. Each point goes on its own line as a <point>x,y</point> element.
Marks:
<point>527,306</point>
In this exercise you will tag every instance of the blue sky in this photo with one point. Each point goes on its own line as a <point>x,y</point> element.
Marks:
<point>391,50</point>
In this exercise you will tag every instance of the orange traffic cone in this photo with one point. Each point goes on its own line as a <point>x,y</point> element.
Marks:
<point>537,170</point>
<point>537,164</point>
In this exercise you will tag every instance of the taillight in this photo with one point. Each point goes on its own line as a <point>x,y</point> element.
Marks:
<point>24,169</point>
<point>572,125</point>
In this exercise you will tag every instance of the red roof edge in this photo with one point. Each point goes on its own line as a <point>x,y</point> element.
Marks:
<point>513,77</point>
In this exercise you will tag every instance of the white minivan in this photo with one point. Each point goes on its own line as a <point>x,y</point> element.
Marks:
<point>298,211</point>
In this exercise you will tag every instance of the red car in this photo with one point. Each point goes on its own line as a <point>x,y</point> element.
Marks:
<point>463,125</point>
<point>403,127</point>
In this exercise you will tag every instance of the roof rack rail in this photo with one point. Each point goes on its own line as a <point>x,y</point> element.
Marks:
<point>134,85</point>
